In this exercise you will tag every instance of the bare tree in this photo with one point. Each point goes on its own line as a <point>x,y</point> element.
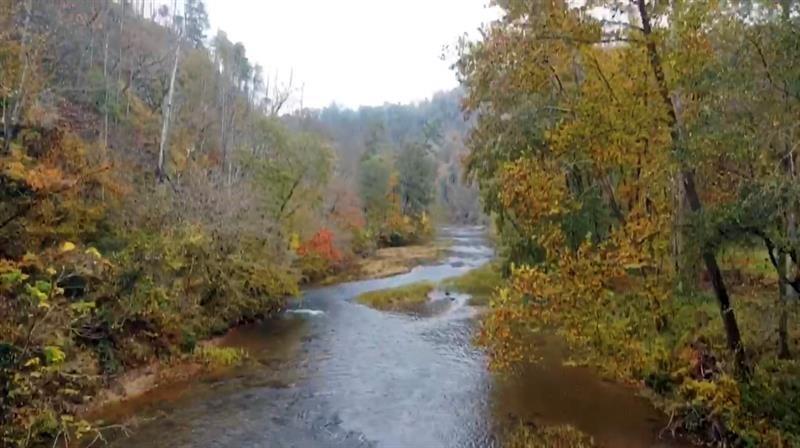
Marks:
<point>167,110</point>
<point>280,94</point>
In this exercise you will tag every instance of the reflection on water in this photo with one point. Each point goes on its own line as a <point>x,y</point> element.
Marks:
<point>332,373</point>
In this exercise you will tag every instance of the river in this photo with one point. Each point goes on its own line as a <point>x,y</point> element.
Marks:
<point>332,373</point>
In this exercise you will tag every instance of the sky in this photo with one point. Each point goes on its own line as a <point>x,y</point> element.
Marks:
<point>353,52</point>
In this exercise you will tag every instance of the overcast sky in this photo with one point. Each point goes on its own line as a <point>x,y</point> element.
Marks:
<point>353,52</point>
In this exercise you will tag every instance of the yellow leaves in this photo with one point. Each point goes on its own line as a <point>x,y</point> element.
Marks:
<point>535,191</point>
<point>93,252</point>
<point>32,362</point>
<point>67,246</point>
<point>294,241</point>
<point>719,396</point>
<point>15,170</point>
<point>83,307</point>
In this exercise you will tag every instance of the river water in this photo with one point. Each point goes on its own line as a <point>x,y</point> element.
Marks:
<point>333,373</point>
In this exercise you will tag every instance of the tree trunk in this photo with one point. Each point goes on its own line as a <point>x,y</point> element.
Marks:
<point>787,270</point>
<point>10,122</point>
<point>127,96</point>
<point>732,332</point>
<point>105,88</point>
<point>6,127</point>
<point>677,240</point>
<point>783,319</point>
<point>222,144</point>
<point>167,112</point>
<point>790,294</point>
<point>119,54</point>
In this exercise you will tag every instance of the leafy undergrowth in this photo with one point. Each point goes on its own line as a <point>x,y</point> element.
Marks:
<point>531,436</point>
<point>680,358</point>
<point>479,283</point>
<point>405,298</point>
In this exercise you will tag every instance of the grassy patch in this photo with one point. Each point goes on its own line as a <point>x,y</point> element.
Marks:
<point>216,357</point>
<point>529,436</point>
<point>479,283</point>
<point>750,261</point>
<point>404,298</point>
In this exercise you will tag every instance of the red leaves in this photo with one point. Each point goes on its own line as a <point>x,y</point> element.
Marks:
<point>322,245</point>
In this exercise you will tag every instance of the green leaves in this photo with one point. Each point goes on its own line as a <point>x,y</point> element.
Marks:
<point>416,170</point>
<point>12,278</point>
<point>39,293</point>
<point>53,355</point>
<point>83,307</point>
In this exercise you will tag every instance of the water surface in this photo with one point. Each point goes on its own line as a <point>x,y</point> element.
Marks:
<point>333,373</point>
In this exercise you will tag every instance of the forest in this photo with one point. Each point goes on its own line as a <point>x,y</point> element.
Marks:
<point>156,191</point>
<point>640,160</point>
<point>636,160</point>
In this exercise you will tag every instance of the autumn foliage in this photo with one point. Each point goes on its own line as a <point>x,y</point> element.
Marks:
<point>622,149</point>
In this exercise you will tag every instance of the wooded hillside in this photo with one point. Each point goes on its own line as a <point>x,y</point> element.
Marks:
<point>640,158</point>
<point>156,191</point>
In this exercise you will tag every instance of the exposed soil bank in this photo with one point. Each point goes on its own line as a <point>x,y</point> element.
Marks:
<point>390,261</point>
<point>159,375</point>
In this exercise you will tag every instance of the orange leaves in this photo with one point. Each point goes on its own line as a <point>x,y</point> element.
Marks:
<point>319,256</point>
<point>39,176</point>
<point>45,178</point>
<point>322,245</point>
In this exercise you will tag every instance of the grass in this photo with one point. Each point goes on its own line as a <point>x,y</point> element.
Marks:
<point>216,357</point>
<point>479,283</point>
<point>565,436</point>
<point>404,298</point>
<point>750,261</point>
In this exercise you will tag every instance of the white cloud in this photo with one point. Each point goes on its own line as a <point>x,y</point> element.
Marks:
<point>353,52</point>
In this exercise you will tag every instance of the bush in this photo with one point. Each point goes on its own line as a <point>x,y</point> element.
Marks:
<point>319,257</point>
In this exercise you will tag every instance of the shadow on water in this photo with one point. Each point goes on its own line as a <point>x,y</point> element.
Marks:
<point>332,373</point>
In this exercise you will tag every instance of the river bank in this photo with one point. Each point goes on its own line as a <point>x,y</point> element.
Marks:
<point>389,261</point>
<point>333,373</point>
<point>160,374</point>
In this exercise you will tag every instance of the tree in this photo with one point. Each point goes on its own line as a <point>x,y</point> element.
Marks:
<point>293,175</point>
<point>417,173</point>
<point>167,112</point>
<point>374,175</point>
<point>15,94</point>
<point>196,22</point>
